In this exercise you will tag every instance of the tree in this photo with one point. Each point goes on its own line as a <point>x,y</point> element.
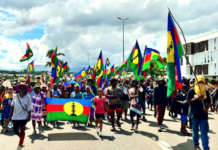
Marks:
<point>50,52</point>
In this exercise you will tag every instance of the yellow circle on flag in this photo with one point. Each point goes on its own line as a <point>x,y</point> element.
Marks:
<point>73,108</point>
<point>83,73</point>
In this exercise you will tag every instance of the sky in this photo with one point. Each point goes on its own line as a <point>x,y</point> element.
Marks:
<point>78,27</point>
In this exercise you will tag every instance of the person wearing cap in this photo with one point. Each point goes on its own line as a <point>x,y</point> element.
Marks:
<point>20,112</point>
<point>36,114</point>
<point>196,97</point>
<point>6,106</point>
<point>76,95</point>
<point>113,94</point>
<point>160,102</point>
<point>89,95</point>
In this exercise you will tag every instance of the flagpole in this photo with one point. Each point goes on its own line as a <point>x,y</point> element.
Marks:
<point>141,70</point>
<point>186,54</point>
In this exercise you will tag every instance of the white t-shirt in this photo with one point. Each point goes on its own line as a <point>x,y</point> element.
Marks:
<point>20,113</point>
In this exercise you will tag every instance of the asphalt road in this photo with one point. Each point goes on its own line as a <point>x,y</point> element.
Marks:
<point>65,137</point>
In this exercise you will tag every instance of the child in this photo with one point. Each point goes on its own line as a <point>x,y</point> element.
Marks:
<point>182,108</point>
<point>100,108</point>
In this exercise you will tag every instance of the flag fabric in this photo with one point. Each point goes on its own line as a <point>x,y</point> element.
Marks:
<point>123,65</point>
<point>108,62</point>
<point>174,53</point>
<point>67,109</point>
<point>152,53</point>
<point>88,70</point>
<point>105,72</point>
<point>56,69</point>
<point>135,61</point>
<point>123,73</point>
<point>143,74</point>
<point>31,67</point>
<point>81,74</point>
<point>70,75</point>
<point>28,54</point>
<point>65,68</point>
<point>111,72</point>
<point>98,71</point>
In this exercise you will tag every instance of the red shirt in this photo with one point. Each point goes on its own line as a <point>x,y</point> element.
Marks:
<point>99,107</point>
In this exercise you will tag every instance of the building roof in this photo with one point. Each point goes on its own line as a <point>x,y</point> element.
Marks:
<point>204,37</point>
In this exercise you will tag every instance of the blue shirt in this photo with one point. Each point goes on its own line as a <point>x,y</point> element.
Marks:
<point>73,95</point>
<point>55,92</point>
<point>88,96</point>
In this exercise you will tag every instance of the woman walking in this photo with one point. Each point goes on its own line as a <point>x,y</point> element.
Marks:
<point>20,112</point>
<point>37,102</point>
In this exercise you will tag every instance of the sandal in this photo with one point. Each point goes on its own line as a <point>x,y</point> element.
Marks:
<point>136,129</point>
<point>133,126</point>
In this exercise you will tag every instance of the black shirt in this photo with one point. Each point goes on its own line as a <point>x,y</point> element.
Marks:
<point>196,108</point>
<point>160,96</point>
<point>179,108</point>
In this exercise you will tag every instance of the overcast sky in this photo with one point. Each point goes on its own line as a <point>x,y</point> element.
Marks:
<point>80,26</point>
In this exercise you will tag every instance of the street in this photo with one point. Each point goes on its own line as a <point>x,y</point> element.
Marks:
<point>148,137</point>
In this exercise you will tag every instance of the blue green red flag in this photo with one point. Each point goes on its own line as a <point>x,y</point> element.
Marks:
<point>174,53</point>
<point>98,71</point>
<point>67,109</point>
<point>111,72</point>
<point>152,54</point>
<point>31,67</point>
<point>108,62</point>
<point>28,55</point>
<point>135,61</point>
<point>81,74</point>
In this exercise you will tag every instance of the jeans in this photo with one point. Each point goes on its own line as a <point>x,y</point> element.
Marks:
<point>204,128</point>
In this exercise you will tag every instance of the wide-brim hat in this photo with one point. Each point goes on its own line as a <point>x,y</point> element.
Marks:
<point>36,86</point>
<point>23,85</point>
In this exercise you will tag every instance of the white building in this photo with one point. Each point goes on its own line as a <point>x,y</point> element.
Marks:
<point>202,52</point>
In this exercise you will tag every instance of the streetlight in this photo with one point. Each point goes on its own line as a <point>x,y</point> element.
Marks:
<point>123,33</point>
<point>88,57</point>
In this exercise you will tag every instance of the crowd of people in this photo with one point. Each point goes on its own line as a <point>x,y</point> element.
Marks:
<point>24,101</point>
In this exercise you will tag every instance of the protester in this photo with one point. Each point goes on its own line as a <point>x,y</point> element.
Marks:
<point>36,114</point>
<point>160,102</point>
<point>55,91</point>
<point>2,94</point>
<point>76,95</point>
<point>90,83</point>
<point>100,108</point>
<point>125,98</point>
<point>20,112</point>
<point>150,91</point>
<point>181,106</point>
<point>89,95</point>
<point>196,98</point>
<point>142,93</point>
<point>113,93</point>
<point>6,107</point>
<point>46,94</point>
<point>135,108</point>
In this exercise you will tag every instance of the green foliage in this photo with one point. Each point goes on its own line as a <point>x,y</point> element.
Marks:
<point>154,71</point>
<point>50,52</point>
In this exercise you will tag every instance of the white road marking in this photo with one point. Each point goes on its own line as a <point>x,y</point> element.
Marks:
<point>164,145</point>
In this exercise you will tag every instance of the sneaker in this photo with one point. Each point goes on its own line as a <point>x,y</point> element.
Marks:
<point>185,132</point>
<point>19,147</point>
<point>100,133</point>
<point>97,130</point>
<point>159,129</point>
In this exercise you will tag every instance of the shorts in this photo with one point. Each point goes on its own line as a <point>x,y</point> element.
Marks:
<point>97,116</point>
<point>135,109</point>
<point>184,118</point>
<point>133,114</point>
<point>124,104</point>
<point>92,111</point>
<point>149,100</point>
<point>112,108</point>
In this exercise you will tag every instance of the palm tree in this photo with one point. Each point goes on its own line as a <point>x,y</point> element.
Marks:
<point>50,52</point>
